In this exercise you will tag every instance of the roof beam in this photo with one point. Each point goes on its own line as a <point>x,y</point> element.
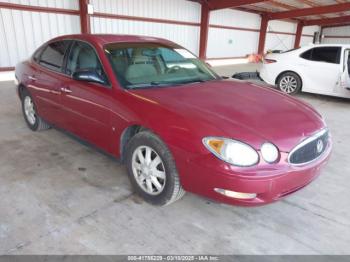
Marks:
<point>325,9</point>
<point>312,4</point>
<point>282,5</point>
<point>328,21</point>
<point>336,25</point>
<point>222,4</point>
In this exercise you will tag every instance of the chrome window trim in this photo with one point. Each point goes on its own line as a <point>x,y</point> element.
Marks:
<point>305,142</point>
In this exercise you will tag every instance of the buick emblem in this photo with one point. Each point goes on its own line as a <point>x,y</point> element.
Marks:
<point>319,146</point>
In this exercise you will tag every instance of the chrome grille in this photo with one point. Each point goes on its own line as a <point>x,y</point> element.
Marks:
<point>310,149</point>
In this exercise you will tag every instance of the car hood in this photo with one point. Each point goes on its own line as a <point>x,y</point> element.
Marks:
<point>240,110</point>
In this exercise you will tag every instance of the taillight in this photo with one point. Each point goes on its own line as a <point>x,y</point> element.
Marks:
<point>269,61</point>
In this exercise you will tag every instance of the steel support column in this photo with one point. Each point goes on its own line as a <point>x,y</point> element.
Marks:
<point>298,35</point>
<point>262,35</point>
<point>84,17</point>
<point>204,30</point>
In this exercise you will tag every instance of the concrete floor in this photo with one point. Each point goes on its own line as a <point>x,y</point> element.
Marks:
<point>61,197</point>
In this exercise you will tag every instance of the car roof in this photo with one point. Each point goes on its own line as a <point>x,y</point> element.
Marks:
<point>336,45</point>
<point>103,39</point>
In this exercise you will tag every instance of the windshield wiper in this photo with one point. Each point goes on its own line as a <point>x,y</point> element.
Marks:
<point>192,81</point>
<point>164,83</point>
<point>146,85</point>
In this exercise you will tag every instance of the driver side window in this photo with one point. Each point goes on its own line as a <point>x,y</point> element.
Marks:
<point>83,57</point>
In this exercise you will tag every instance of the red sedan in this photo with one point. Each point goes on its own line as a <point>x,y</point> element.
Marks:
<point>176,124</point>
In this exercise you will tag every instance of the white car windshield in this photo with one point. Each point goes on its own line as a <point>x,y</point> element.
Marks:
<point>146,65</point>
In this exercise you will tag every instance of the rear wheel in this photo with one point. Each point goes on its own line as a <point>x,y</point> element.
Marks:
<point>289,83</point>
<point>152,170</point>
<point>33,120</point>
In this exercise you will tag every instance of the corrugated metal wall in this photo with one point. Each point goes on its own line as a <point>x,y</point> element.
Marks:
<point>237,41</point>
<point>336,35</point>
<point>21,32</point>
<point>309,31</point>
<point>232,42</point>
<point>232,33</point>
<point>66,4</point>
<point>176,10</point>
<point>276,39</point>
<point>284,38</point>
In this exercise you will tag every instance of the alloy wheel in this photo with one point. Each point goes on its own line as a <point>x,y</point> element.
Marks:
<point>148,169</point>
<point>288,84</point>
<point>29,110</point>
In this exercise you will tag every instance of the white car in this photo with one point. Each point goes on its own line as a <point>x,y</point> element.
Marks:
<point>321,69</point>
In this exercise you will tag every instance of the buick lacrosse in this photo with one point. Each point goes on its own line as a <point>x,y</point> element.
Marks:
<point>175,123</point>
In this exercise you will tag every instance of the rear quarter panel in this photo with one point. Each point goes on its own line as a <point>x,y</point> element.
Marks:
<point>22,71</point>
<point>285,62</point>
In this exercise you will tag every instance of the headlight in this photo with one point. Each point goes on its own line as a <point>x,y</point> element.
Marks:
<point>232,151</point>
<point>269,152</point>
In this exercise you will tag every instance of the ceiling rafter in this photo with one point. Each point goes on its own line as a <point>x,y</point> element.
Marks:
<point>311,4</point>
<point>282,5</point>
<point>293,13</point>
<point>340,2</point>
<point>325,9</point>
<point>222,4</point>
<point>262,10</point>
<point>328,21</point>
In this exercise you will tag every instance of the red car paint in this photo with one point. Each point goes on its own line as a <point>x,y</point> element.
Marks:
<point>182,116</point>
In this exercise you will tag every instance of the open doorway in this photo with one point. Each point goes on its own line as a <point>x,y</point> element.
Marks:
<point>345,78</point>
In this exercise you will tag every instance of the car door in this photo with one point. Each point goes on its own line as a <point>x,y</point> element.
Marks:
<point>321,69</point>
<point>87,104</point>
<point>47,79</point>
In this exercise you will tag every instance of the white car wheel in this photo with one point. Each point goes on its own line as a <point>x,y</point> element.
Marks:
<point>289,83</point>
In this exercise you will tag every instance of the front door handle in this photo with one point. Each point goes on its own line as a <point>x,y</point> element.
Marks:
<point>32,78</point>
<point>65,90</point>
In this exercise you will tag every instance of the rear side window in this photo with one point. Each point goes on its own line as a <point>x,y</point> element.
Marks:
<point>327,54</point>
<point>53,55</point>
<point>307,54</point>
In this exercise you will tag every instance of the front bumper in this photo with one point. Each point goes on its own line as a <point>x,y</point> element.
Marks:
<point>270,182</point>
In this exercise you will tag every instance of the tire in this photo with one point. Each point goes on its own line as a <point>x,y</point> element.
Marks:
<point>289,83</point>
<point>33,120</point>
<point>168,188</point>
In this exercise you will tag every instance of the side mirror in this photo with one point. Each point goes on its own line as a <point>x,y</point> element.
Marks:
<point>89,75</point>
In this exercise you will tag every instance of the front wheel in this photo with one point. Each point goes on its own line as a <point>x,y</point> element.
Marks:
<point>289,83</point>
<point>151,169</point>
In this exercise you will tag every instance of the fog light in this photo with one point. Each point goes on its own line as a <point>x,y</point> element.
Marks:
<point>234,194</point>
<point>269,152</point>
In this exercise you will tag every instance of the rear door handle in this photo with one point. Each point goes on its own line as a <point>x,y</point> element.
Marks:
<point>32,78</point>
<point>65,90</point>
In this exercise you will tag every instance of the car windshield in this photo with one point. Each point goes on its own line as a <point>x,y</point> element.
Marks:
<point>147,65</point>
